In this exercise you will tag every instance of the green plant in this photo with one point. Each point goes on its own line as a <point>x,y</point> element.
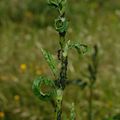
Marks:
<point>92,68</point>
<point>58,85</point>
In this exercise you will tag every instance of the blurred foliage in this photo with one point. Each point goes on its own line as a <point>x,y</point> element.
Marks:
<point>26,25</point>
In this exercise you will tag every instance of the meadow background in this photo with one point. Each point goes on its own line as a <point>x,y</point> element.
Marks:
<point>28,25</point>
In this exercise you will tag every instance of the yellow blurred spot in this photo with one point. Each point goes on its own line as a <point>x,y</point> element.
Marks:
<point>23,67</point>
<point>39,71</point>
<point>2,114</point>
<point>16,97</point>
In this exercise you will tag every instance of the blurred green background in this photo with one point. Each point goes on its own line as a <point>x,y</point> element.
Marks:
<point>28,25</point>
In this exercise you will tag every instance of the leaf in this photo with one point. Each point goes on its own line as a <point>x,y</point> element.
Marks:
<point>53,3</point>
<point>59,4</point>
<point>61,24</point>
<point>81,48</point>
<point>50,60</point>
<point>42,80</point>
<point>62,6</point>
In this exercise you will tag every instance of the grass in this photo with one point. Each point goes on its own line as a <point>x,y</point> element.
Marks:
<point>20,43</point>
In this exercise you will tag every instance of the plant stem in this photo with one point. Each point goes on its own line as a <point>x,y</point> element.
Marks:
<point>59,104</point>
<point>62,77</point>
<point>93,76</point>
<point>64,63</point>
<point>90,102</point>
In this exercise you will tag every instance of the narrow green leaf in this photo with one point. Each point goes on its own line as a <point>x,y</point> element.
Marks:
<point>53,3</point>
<point>50,60</point>
<point>63,6</point>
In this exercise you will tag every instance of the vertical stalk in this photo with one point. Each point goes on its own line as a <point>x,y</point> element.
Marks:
<point>62,77</point>
<point>64,62</point>
<point>90,102</point>
<point>93,76</point>
<point>61,25</point>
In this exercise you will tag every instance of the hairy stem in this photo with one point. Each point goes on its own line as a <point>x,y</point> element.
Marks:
<point>64,63</point>
<point>62,77</point>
